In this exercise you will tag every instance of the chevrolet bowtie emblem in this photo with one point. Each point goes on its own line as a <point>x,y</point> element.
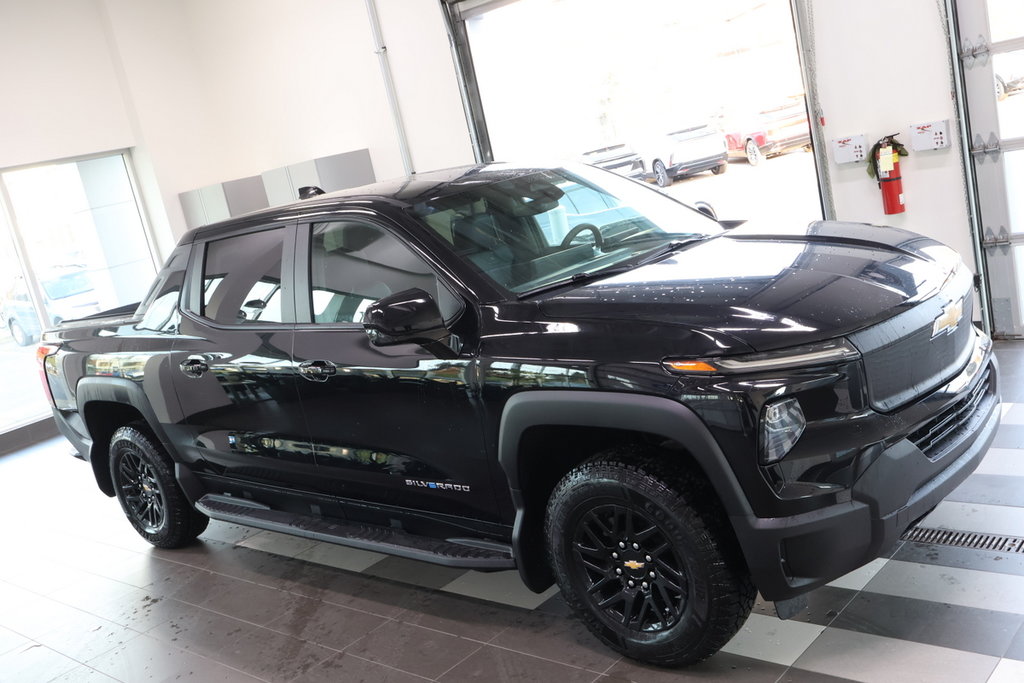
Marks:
<point>633,564</point>
<point>949,319</point>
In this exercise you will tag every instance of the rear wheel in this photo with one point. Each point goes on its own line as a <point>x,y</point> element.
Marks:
<point>143,476</point>
<point>644,557</point>
<point>661,175</point>
<point>720,169</point>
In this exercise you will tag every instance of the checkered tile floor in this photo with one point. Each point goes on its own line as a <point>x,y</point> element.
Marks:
<point>83,599</point>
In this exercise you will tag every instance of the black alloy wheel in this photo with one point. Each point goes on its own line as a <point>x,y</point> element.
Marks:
<point>644,555</point>
<point>140,490</point>
<point>143,477</point>
<point>629,568</point>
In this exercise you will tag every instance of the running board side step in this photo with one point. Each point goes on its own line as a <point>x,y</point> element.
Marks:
<point>464,553</point>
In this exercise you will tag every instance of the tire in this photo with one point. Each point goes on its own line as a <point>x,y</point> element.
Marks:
<point>753,153</point>
<point>597,513</point>
<point>661,175</point>
<point>21,337</point>
<point>143,476</point>
<point>720,169</point>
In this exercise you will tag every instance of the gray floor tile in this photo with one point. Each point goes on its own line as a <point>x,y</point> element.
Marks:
<point>84,674</point>
<point>325,624</point>
<point>1009,436</point>
<point>346,667</point>
<point>415,573</point>
<point>794,675</point>
<point>932,623</point>
<point>1001,520</point>
<point>150,659</point>
<point>823,605</point>
<point>414,649</point>
<point>964,558</point>
<point>503,587</point>
<point>458,615</point>
<point>875,659</point>
<point>967,587</point>
<point>236,597</point>
<point>723,666</point>
<point>560,639</point>
<point>1005,461</point>
<point>34,662</point>
<point>490,664</point>
<point>991,489</point>
<point>246,647</point>
<point>1016,648</point>
<point>771,639</point>
<point>86,636</point>
<point>358,591</point>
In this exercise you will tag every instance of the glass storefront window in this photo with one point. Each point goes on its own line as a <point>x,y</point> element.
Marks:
<point>81,236</point>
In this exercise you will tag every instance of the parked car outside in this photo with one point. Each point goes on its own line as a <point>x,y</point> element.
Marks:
<point>770,132</point>
<point>683,152</point>
<point>67,294</point>
<point>558,370</point>
<point>1009,73</point>
<point>616,158</point>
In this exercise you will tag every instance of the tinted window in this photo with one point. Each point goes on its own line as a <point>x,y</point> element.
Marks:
<point>354,263</point>
<point>242,278</point>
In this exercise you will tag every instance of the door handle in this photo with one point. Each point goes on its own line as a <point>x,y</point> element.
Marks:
<point>317,370</point>
<point>194,366</point>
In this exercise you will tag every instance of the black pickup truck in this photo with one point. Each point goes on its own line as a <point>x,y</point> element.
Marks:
<point>558,370</point>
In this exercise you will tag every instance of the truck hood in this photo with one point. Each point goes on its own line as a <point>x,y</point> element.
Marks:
<point>772,288</point>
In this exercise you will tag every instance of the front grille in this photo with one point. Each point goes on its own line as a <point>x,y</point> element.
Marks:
<point>934,435</point>
<point>903,361</point>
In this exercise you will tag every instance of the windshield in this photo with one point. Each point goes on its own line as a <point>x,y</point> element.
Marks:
<point>533,231</point>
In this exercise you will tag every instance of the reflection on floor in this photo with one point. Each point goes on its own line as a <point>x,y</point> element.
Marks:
<point>83,599</point>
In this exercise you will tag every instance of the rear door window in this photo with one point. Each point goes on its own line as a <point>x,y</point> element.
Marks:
<point>242,283</point>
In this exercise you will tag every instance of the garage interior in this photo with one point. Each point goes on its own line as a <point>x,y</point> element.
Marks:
<point>131,122</point>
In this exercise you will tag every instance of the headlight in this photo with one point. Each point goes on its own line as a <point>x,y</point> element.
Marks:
<point>782,423</point>
<point>822,353</point>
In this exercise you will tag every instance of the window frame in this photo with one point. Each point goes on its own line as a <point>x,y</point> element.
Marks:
<point>303,279</point>
<point>192,298</point>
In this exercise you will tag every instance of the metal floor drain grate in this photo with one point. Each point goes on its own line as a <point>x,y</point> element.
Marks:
<point>965,539</point>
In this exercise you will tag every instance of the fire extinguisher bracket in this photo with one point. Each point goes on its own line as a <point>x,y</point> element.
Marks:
<point>884,165</point>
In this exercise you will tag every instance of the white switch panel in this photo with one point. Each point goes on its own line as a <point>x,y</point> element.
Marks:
<point>925,136</point>
<point>849,149</point>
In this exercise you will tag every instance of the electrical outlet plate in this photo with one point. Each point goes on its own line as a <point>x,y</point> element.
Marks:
<point>849,149</point>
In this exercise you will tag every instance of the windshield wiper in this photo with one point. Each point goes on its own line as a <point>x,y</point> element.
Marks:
<point>584,277</point>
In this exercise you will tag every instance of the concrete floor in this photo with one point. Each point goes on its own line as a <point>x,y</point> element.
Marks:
<point>82,598</point>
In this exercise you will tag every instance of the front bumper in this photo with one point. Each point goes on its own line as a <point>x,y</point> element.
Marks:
<point>791,555</point>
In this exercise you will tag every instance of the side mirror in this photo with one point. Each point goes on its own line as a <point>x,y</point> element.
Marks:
<point>409,316</point>
<point>706,209</point>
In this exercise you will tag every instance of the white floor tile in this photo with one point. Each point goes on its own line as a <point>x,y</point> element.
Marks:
<point>504,587</point>
<point>1013,414</point>
<point>1008,461</point>
<point>1008,671</point>
<point>952,585</point>
<point>333,555</point>
<point>278,544</point>
<point>1002,520</point>
<point>858,578</point>
<point>773,639</point>
<point>875,659</point>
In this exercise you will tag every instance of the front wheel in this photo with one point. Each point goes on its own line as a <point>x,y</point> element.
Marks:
<point>21,337</point>
<point>143,476</point>
<point>753,153</point>
<point>644,557</point>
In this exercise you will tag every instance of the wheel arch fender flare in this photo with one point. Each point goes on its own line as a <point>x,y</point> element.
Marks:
<point>124,392</point>
<point>635,412</point>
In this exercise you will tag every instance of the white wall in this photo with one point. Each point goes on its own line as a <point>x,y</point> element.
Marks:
<point>880,67</point>
<point>205,91</point>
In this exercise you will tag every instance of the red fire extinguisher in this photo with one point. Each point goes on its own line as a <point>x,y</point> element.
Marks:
<point>885,165</point>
